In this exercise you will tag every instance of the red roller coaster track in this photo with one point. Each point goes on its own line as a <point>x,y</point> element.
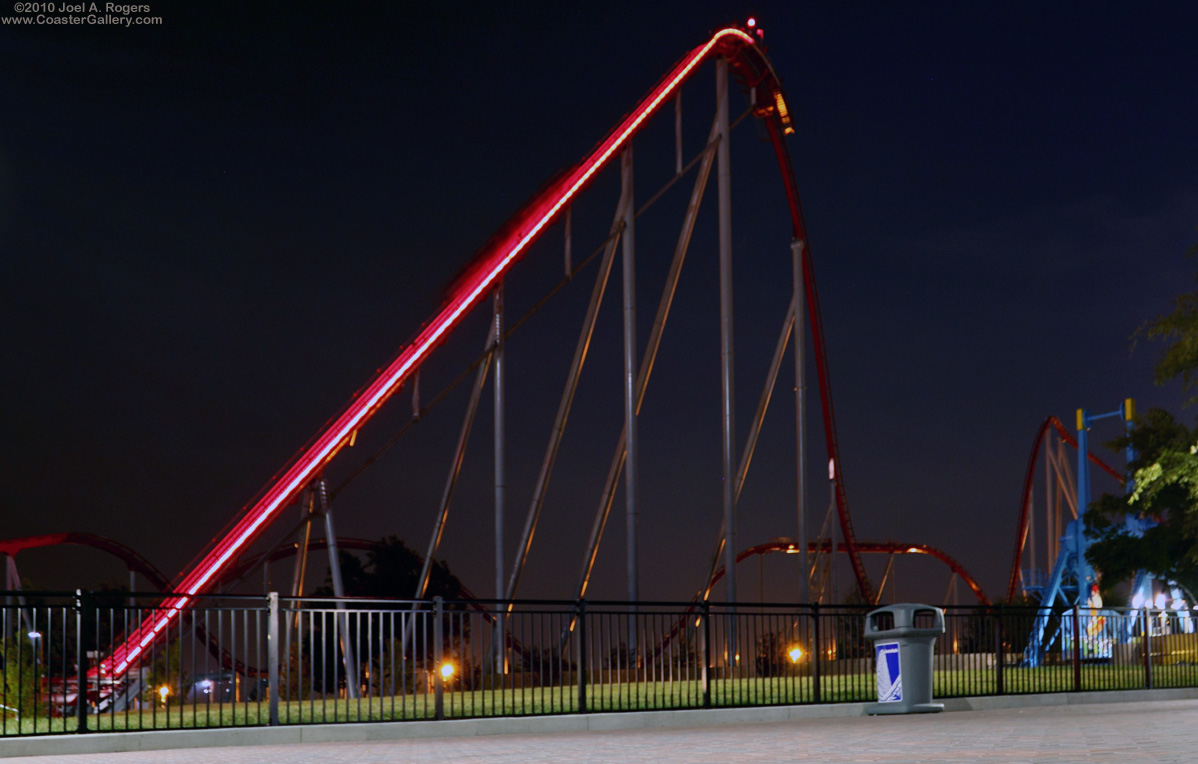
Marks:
<point>132,559</point>
<point>864,547</point>
<point>748,61</point>
<point>1051,423</point>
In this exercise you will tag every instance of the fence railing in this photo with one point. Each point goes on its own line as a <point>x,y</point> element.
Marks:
<point>264,660</point>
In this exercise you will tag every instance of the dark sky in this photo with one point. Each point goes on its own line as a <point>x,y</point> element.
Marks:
<point>213,231</point>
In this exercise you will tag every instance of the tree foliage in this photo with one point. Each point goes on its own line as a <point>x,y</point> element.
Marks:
<point>392,570</point>
<point>1165,474</point>
<point>1165,471</point>
<point>1179,358</point>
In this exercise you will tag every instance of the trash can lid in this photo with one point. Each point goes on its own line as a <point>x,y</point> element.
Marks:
<point>907,618</point>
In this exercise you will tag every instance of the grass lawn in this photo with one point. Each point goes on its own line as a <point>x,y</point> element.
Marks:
<point>616,696</point>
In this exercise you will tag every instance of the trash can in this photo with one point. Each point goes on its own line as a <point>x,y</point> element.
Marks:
<point>903,637</point>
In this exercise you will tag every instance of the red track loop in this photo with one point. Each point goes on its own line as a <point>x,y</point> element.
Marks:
<point>1025,496</point>
<point>865,547</point>
<point>132,559</point>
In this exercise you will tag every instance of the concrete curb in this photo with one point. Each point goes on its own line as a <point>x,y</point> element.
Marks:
<point>121,742</point>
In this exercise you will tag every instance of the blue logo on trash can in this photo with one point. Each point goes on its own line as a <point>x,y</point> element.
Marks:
<point>890,677</point>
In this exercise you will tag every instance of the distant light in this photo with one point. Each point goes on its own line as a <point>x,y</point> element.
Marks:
<point>163,691</point>
<point>752,22</point>
<point>795,653</point>
<point>913,550</point>
<point>761,33</point>
<point>1160,601</point>
<point>35,635</point>
<point>447,670</point>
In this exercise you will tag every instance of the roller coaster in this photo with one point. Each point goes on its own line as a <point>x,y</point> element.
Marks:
<point>737,51</point>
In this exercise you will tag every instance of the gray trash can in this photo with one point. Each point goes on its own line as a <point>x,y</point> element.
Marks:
<point>903,637</point>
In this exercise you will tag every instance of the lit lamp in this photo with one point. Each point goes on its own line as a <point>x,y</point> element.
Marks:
<point>163,691</point>
<point>446,670</point>
<point>795,653</point>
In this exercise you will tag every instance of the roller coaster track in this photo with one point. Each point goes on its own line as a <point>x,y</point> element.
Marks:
<point>747,60</point>
<point>864,547</point>
<point>132,559</point>
<point>1049,424</point>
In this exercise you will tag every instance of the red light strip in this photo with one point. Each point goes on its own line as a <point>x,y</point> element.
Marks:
<point>535,218</point>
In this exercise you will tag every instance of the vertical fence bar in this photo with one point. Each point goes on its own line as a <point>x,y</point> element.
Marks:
<point>999,653</point>
<point>816,655</point>
<point>580,645</point>
<point>272,655</point>
<point>705,673</point>
<point>82,603</point>
<point>1077,650</point>
<point>438,656</point>
<point>1147,649</point>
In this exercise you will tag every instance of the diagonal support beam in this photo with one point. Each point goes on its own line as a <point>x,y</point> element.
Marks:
<point>455,469</point>
<point>763,404</point>
<point>707,159</point>
<point>567,401</point>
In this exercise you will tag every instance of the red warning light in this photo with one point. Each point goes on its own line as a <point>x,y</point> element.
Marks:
<point>761,33</point>
<point>752,22</point>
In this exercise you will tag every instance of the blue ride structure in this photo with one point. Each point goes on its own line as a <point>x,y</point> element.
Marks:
<point>1070,607</point>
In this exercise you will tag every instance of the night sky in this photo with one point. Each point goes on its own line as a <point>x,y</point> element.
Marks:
<point>213,231</point>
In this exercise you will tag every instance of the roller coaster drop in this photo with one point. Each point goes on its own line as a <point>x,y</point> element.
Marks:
<point>738,49</point>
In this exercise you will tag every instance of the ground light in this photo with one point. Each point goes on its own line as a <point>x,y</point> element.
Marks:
<point>795,653</point>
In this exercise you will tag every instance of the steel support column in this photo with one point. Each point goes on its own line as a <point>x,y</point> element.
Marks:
<point>1081,568</point>
<point>628,239</point>
<point>727,392</point>
<point>347,648</point>
<point>707,158</point>
<point>800,344</point>
<point>746,457</point>
<point>500,438</point>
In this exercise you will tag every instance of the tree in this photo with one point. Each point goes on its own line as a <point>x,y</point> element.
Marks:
<point>1180,328</point>
<point>392,570</point>
<point>1165,491</point>
<point>1165,471</point>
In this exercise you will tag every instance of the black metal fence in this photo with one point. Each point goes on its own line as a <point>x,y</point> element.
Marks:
<point>253,660</point>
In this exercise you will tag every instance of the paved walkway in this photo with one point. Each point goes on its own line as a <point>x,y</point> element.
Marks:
<point>1153,731</point>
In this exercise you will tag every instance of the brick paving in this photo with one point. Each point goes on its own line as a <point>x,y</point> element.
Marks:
<point>1151,731</point>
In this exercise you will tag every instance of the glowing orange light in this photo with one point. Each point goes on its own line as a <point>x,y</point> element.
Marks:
<point>447,670</point>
